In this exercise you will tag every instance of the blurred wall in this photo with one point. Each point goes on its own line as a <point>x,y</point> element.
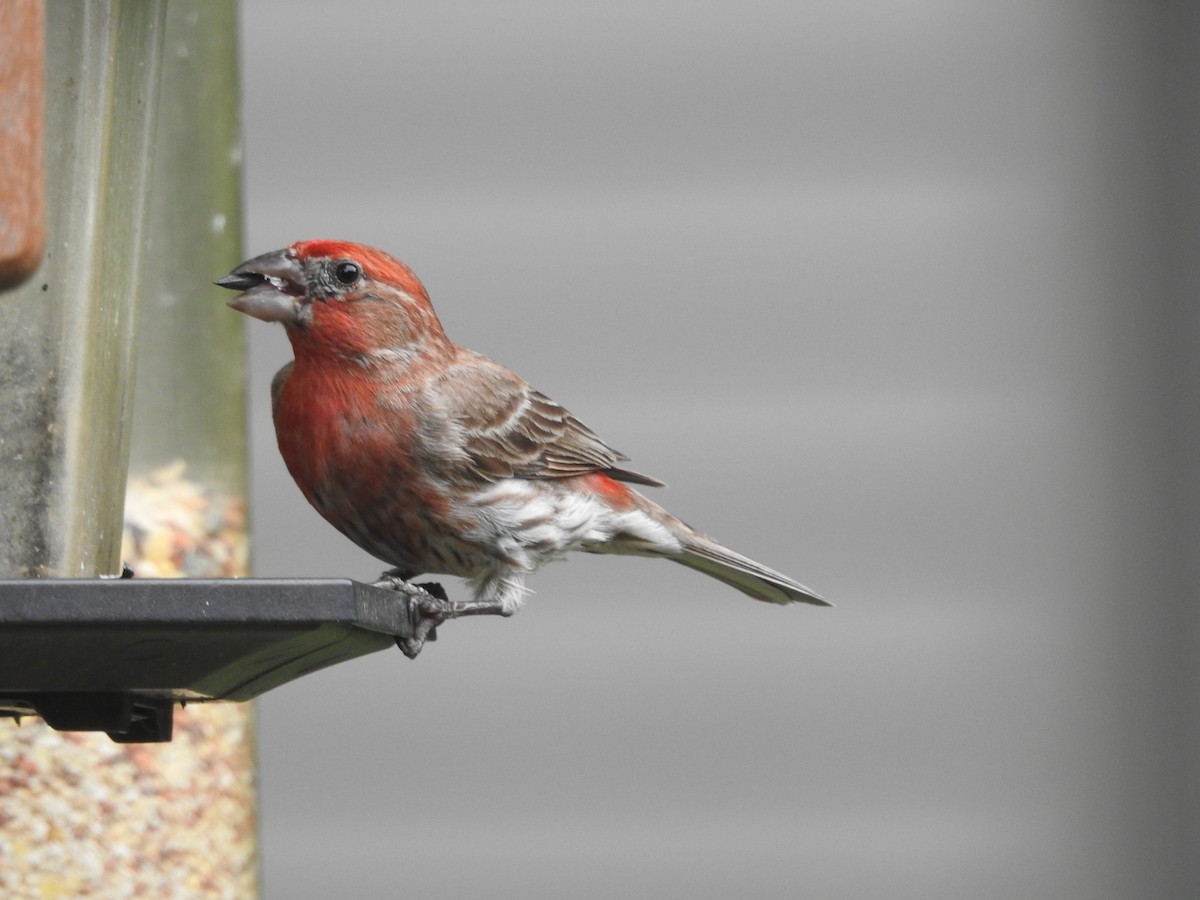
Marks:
<point>899,299</point>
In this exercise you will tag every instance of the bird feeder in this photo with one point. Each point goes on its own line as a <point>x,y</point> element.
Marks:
<point>122,453</point>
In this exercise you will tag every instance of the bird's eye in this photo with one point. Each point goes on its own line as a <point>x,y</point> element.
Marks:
<point>347,272</point>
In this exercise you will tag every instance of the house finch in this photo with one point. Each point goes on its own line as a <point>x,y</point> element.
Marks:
<point>436,459</point>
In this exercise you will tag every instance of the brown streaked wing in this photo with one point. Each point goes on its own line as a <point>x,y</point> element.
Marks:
<point>514,430</point>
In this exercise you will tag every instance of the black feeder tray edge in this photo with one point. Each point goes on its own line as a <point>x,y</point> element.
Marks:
<point>116,655</point>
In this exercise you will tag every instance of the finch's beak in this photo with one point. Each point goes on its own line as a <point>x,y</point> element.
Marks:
<point>273,286</point>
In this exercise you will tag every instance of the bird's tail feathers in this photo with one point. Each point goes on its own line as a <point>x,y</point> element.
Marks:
<point>751,578</point>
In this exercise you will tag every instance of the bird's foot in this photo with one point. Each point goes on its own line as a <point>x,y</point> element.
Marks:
<point>429,607</point>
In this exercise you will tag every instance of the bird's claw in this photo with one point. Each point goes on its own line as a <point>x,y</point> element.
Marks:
<point>428,608</point>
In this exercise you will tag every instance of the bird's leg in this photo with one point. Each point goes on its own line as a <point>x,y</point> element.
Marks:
<point>429,607</point>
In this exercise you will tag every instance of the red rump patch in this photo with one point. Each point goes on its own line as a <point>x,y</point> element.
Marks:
<point>614,493</point>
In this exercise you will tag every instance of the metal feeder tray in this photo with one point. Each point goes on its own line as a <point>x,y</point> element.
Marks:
<point>115,655</point>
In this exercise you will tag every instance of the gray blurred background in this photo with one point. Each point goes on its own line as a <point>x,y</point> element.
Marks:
<point>899,298</point>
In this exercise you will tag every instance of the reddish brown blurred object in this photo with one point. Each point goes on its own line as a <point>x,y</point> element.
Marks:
<point>22,95</point>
